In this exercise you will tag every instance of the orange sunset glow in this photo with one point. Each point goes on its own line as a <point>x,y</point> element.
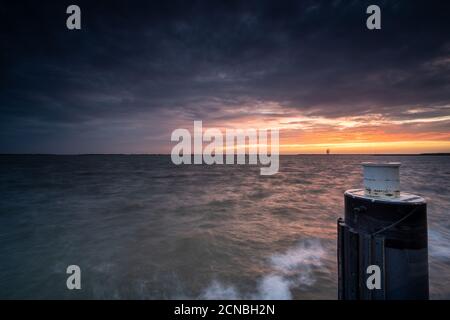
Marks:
<point>368,134</point>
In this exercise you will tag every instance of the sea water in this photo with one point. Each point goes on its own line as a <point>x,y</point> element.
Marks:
<point>140,227</point>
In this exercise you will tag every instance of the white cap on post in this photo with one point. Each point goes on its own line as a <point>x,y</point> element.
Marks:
<point>382,180</point>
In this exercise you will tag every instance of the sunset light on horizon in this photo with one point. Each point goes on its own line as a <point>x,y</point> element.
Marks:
<point>362,134</point>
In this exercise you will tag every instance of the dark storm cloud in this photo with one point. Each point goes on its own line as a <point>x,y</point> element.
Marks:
<point>195,59</point>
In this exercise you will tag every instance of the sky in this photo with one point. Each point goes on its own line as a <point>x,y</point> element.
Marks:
<point>137,70</point>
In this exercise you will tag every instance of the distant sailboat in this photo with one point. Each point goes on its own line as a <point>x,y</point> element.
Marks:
<point>328,151</point>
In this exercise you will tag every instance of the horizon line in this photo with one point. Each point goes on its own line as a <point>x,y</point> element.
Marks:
<point>192,154</point>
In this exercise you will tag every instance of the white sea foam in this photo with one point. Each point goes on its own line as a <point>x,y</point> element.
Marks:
<point>291,269</point>
<point>438,245</point>
<point>306,254</point>
<point>274,287</point>
<point>219,291</point>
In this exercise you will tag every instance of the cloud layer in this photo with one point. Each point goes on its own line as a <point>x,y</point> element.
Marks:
<point>138,69</point>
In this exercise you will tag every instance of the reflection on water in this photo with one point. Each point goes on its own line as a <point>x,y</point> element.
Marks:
<point>140,227</point>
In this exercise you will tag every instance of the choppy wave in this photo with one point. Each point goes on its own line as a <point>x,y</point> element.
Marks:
<point>439,245</point>
<point>141,228</point>
<point>291,269</point>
